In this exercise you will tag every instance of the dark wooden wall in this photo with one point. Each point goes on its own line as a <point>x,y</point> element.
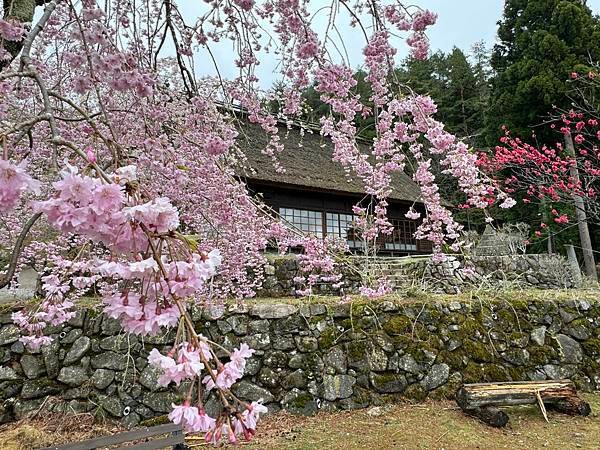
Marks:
<point>294,197</point>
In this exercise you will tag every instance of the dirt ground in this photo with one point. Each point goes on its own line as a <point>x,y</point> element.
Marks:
<point>430,425</point>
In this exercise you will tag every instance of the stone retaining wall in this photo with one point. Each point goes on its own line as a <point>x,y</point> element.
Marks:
<point>311,357</point>
<point>539,271</point>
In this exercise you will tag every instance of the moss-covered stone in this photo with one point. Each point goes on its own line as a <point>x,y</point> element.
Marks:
<point>517,374</point>
<point>519,304</point>
<point>541,355</point>
<point>480,373</point>
<point>455,318</point>
<point>471,327</point>
<point>518,339</point>
<point>477,351</point>
<point>310,362</point>
<point>397,325</point>
<point>358,355</point>
<point>453,359</point>
<point>328,337</point>
<point>301,400</point>
<point>361,398</point>
<point>435,342</point>
<point>154,421</point>
<point>506,320</point>
<point>415,393</point>
<point>472,373</point>
<point>389,382</point>
<point>591,347</point>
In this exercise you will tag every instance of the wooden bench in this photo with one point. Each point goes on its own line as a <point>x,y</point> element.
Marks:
<point>175,440</point>
<point>483,399</point>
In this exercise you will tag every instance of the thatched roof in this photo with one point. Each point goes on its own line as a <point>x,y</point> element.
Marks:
<point>307,162</point>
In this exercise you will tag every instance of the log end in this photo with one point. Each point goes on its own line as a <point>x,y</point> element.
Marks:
<point>573,406</point>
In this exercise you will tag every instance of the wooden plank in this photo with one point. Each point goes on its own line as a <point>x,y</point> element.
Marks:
<point>156,444</point>
<point>541,405</point>
<point>120,438</point>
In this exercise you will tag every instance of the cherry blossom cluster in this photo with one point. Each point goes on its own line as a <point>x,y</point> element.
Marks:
<point>317,261</point>
<point>146,313</point>
<point>382,289</point>
<point>186,361</point>
<point>14,182</point>
<point>10,30</point>
<point>55,309</point>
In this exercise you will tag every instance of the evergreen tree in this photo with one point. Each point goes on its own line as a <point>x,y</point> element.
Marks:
<point>458,87</point>
<point>459,105</point>
<point>541,43</point>
<point>480,57</point>
<point>424,76</point>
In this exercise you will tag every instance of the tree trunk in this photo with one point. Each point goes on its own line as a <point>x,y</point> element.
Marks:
<point>581,216</point>
<point>21,11</point>
<point>573,406</point>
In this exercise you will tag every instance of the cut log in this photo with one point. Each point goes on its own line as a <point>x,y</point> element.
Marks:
<point>483,399</point>
<point>517,393</point>
<point>489,414</point>
<point>574,406</point>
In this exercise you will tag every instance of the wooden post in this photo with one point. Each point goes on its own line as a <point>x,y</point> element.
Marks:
<point>581,216</point>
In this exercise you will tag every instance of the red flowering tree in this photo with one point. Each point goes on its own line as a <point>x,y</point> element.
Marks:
<point>563,179</point>
<point>112,143</point>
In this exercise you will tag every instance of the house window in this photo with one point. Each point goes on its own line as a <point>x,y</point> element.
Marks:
<point>403,236</point>
<point>342,226</point>
<point>310,222</point>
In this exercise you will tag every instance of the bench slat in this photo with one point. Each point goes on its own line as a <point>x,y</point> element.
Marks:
<point>156,443</point>
<point>121,438</point>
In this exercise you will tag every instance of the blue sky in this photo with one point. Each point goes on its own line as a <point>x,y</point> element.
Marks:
<point>460,23</point>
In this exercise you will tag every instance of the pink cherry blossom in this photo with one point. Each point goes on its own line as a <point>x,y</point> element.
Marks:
<point>11,30</point>
<point>34,343</point>
<point>14,181</point>
<point>184,365</point>
<point>187,416</point>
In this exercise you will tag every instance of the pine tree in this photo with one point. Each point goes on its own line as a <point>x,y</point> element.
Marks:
<point>459,106</point>
<point>541,43</point>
